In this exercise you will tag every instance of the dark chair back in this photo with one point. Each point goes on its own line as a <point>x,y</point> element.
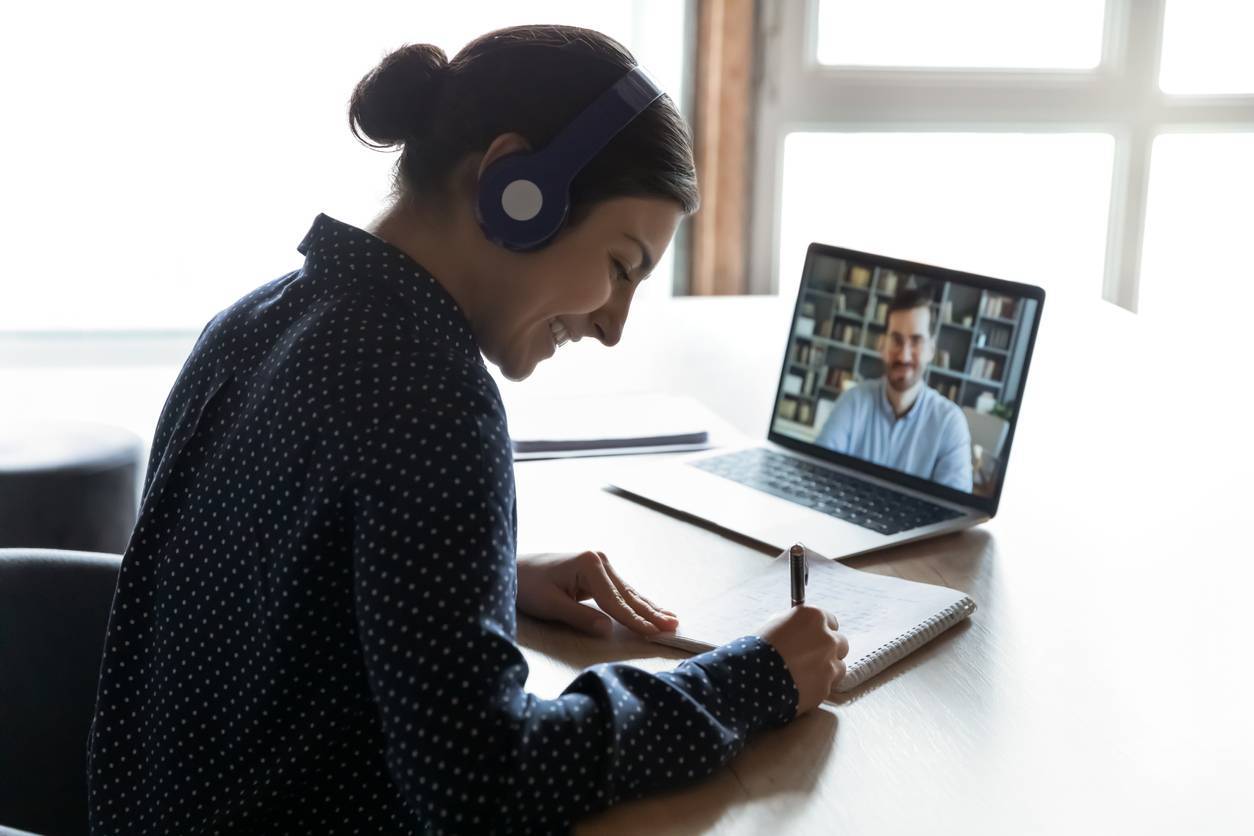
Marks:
<point>54,608</point>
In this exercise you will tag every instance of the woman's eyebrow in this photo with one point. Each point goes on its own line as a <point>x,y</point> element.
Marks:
<point>646,257</point>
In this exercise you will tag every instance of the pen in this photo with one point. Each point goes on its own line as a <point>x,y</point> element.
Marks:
<point>799,570</point>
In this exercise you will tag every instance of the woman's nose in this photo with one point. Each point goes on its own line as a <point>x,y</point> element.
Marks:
<point>608,333</point>
<point>607,322</point>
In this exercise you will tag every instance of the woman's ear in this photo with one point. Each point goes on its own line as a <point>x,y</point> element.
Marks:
<point>503,146</point>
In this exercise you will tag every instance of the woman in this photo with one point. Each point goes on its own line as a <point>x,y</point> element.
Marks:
<point>313,630</point>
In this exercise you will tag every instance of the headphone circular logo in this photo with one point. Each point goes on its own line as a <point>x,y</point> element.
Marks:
<point>522,200</point>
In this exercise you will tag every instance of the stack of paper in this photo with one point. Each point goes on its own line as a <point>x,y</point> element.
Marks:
<point>601,425</point>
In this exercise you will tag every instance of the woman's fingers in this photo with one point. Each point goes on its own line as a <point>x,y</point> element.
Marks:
<point>610,599</point>
<point>663,619</point>
<point>842,646</point>
<point>583,618</point>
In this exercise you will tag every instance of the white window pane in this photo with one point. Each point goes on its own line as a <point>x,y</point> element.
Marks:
<point>1058,34</point>
<point>172,156</point>
<point>1025,207</point>
<point>1199,216</point>
<point>1207,47</point>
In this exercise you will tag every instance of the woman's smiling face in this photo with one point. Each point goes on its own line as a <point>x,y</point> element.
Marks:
<point>583,281</point>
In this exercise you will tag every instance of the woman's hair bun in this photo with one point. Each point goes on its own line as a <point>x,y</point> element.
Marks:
<point>390,104</point>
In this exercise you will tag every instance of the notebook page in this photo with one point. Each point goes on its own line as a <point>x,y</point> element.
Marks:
<point>873,610</point>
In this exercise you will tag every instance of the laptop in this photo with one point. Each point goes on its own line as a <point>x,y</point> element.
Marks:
<point>894,413</point>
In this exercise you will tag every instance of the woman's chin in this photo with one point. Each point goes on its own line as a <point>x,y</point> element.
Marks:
<point>518,369</point>
<point>521,361</point>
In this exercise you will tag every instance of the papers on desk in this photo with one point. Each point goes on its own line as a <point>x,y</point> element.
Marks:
<point>606,425</point>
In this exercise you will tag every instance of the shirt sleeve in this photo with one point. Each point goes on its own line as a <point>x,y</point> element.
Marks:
<point>434,583</point>
<point>953,465</point>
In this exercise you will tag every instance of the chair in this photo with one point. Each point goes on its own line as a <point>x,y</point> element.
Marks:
<point>988,437</point>
<point>68,485</point>
<point>54,608</point>
<point>987,430</point>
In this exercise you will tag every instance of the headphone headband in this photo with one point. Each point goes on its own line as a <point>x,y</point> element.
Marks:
<point>601,121</point>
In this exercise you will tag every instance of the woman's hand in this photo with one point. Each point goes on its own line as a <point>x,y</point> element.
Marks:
<point>551,585</point>
<point>812,649</point>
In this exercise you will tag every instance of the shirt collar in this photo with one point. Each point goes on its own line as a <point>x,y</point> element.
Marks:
<point>371,259</point>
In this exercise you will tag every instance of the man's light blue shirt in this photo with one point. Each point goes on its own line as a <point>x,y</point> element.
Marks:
<point>931,441</point>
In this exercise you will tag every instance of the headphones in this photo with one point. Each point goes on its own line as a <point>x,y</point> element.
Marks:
<point>525,197</point>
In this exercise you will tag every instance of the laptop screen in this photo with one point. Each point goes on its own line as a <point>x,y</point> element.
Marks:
<point>908,367</point>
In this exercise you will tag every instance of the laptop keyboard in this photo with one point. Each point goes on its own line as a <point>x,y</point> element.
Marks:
<point>826,491</point>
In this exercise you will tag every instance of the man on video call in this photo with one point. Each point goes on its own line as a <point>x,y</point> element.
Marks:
<point>897,420</point>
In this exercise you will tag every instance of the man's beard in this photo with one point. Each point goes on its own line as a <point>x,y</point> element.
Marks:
<point>908,381</point>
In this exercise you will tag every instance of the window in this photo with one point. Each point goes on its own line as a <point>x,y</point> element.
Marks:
<point>1197,229</point>
<point>960,33</point>
<point>1014,205</point>
<point>1206,47</point>
<point>172,157</point>
<point>1006,137</point>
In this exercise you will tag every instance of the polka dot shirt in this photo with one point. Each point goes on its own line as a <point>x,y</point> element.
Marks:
<point>314,625</point>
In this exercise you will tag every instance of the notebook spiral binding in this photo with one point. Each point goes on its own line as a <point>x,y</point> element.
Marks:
<point>899,648</point>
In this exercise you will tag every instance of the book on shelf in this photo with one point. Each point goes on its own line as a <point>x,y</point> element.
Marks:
<point>825,329</point>
<point>840,302</point>
<point>888,283</point>
<point>805,412</point>
<point>859,277</point>
<point>993,337</point>
<point>822,409</point>
<point>881,312</point>
<point>995,304</point>
<point>999,337</point>
<point>985,368</point>
<point>803,352</point>
<point>807,388</point>
<point>788,408</point>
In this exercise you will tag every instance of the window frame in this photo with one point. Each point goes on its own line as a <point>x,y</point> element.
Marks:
<point>1120,96</point>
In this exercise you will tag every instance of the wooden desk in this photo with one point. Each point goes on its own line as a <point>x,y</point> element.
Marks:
<point>1101,687</point>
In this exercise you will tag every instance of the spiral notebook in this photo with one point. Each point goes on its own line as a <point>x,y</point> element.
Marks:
<point>884,618</point>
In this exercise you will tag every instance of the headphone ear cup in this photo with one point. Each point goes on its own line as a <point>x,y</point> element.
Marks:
<point>520,205</point>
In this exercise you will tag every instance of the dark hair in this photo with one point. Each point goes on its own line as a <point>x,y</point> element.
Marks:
<point>909,298</point>
<point>531,80</point>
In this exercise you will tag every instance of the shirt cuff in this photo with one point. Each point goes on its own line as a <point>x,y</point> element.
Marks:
<point>757,691</point>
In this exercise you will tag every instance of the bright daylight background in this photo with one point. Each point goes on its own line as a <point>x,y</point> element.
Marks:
<point>1028,206</point>
<point>163,159</point>
<point>167,158</point>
